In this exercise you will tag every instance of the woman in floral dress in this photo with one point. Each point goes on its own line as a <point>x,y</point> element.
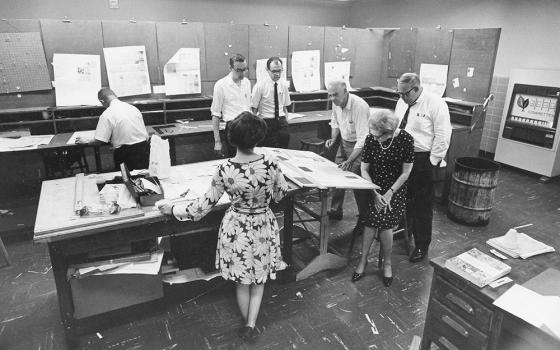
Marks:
<point>248,250</point>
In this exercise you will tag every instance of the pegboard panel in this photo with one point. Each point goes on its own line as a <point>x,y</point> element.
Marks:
<point>433,46</point>
<point>126,33</point>
<point>266,41</point>
<point>19,25</point>
<point>22,63</point>
<point>223,40</point>
<point>368,62</point>
<point>473,55</point>
<point>171,36</point>
<point>74,37</point>
<point>401,52</point>
<point>303,38</point>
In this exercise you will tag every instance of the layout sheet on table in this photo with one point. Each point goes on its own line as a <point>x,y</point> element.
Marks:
<point>24,142</point>
<point>86,135</point>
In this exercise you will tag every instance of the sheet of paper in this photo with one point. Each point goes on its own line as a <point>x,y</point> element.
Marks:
<point>306,70</point>
<point>434,77</point>
<point>263,74</point>
<point>337,71</point>
<point>149,267</point>
<point>87,135</point>
<point>294,116</point>
<point>182,72</point>
<point>24,142</point>
<point>77,79</point>
<point>127,70</point>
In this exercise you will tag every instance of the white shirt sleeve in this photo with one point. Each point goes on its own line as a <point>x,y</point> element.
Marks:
<point>334,122</point>
<point>442,132</point>
<point>217,101</point>
<point>361,124</point>
<point>287,100</point>
<point>104,129</point>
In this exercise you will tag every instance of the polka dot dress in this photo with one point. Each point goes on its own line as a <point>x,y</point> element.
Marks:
<point>386,161</point>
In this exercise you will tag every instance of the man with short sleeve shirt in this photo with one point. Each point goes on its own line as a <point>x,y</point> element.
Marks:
<point>232,96</point>
<point>349,120</point>
<point>270,101</point>
<point>123,126</point>
<point>425,116</point>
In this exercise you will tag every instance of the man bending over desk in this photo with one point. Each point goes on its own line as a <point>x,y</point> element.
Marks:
<point>123,126</point>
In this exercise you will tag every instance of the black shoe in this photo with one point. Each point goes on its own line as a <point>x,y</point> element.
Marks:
<point>417,255</point>
<point>358,276</point>
<point>387,281</point>
<point>246,333</point>
<point>334,214</point>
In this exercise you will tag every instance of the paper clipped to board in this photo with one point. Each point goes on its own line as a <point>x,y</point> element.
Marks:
<point>182,72</point>
<point>519,245</point>
<point>127,70</point>
<point>434,77</point>
<point>306,70</point>
<point>77,79</point>
<point>337,71</point>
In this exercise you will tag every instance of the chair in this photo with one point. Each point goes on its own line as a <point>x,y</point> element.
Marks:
<point>65,162</point>
<point>313,144</point>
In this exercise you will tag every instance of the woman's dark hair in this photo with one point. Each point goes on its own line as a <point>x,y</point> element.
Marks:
<point>246,130</point>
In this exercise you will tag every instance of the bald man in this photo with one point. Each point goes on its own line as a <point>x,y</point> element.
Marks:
<point>425,116</point>
<point>349,120</point>
<point>122,125</point>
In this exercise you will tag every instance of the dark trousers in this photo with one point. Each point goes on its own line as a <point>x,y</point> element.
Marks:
<point>228,150</point>
<point>277,134</point>
<point>420,200</point>
<point>136,156</point>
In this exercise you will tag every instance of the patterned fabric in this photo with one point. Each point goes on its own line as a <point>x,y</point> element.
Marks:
<point>248,248</point>
<point>385,166</point>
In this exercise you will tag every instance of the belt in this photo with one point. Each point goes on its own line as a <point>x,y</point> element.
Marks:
<point>249,211</point>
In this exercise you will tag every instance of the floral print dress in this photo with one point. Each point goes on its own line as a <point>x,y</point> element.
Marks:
<point>248,248</point>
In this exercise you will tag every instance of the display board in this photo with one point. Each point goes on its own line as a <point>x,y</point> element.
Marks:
<point>433,46</point>
<point>223,40</point>
<point>171,36</point>
<point>302,38</point>
<point>401,51</point>
<point>19,25</point>
<point>471,67</point>
<point>22,63</point>
<point>77,37</point>
<point>125,33</point>
<point>266,41</point>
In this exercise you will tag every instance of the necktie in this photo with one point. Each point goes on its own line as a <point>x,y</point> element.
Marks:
<point>276,110</point>
<point>405,118</point>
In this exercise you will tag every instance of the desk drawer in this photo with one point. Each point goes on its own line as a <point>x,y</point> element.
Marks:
<point>448,329</point>
<point>465,306</point>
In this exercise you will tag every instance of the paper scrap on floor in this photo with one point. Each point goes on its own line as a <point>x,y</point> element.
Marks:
<point>518,244</point>
<point>540,311</point>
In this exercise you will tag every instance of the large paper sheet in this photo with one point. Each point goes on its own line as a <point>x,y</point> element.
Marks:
<point>263,74</point>
<point>434,77</point>
<point>86,135</point>
<point>24,142</point>
<point>337,71</point>
<point>306,70</point>
<point>77,79</point>
<point>127,70</point>
<point>182,72</point>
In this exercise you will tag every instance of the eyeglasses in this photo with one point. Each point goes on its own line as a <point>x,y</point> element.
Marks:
<point>276,71</point>
<point>403,94</point>
<point>240,70</point>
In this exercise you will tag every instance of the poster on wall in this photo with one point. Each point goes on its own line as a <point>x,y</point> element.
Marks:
<point>306,70</point>
<point>127,70</point>
<point>337,71</point>
<point>263,74</point>
<point>77,79</point>
<point>182,72</point>
<point>434,77</point>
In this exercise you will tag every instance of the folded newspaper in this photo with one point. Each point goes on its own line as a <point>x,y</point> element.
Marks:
<point>519,245</point>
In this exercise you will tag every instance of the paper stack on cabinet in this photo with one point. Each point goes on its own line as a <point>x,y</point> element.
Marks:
<point>517,244</point>
<point>477,267</point>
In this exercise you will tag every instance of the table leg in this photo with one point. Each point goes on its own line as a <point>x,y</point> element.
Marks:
<point>97,155</point>
<point>325,260</point>
<point>172,151</point>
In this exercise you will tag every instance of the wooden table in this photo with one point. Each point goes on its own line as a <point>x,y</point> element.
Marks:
<point>461,316</point>
<point>66,244</point>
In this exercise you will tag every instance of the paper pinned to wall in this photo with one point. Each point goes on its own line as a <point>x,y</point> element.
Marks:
<point>182,72</point>
<point>434,77</point>
<point>77,79</point>
<point>263,74</point>
<point>127,70</point>
<point>337,71</point>
<point>306,70</point>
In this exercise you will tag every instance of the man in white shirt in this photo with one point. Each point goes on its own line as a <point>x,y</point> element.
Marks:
<point>349,120</point>
<point>122,125</point>
<point>425,116</point>
<point>270,101</point>
<point>232,96</point>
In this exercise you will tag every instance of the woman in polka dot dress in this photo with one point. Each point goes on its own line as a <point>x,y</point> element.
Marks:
<point>387,159</point>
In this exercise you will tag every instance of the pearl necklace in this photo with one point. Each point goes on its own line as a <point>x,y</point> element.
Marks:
<point>390,143</point>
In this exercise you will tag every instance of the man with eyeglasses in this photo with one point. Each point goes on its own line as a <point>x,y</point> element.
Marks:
<point>270,101</point>
<point>123,126</point>
<point>349,120</point>
<point>232,96</point>
<point>425,116</point>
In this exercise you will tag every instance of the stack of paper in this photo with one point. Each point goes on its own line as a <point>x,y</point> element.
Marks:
<point>538,310</point>
<point>517,244</point>
<point>477,267</point>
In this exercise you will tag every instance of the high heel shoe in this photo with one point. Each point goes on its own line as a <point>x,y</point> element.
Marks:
<point>358,276</point>
<point>387,280</point>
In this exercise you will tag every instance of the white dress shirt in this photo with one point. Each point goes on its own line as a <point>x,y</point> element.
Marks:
<point>428,123</point>
<point>121,124</point>
<point>231,99</point>
<point>263,98</point>
<point>352,120</point>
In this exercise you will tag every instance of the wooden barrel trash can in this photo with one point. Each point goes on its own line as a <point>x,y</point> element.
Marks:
<point>471,193</point>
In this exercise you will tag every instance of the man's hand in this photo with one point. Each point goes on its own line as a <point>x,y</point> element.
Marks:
<point>81,141</point>
<point>329,143</point>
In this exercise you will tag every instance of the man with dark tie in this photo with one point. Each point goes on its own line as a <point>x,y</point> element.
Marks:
<point>270,101</point>
<point>425,116</point>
